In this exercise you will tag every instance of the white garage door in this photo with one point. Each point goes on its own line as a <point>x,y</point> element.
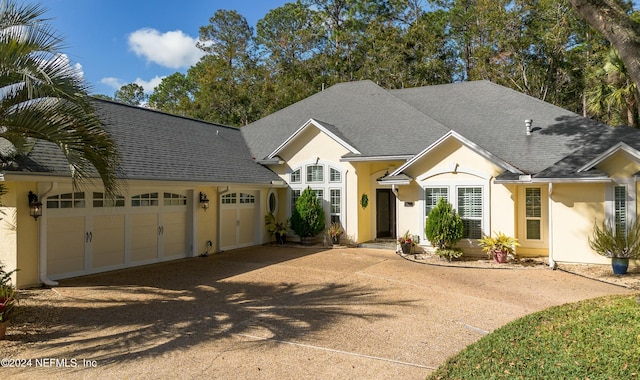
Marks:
<point>238,219</point>
<point>86,233</point>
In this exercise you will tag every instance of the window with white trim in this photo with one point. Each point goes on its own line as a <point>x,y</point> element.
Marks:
<point>171,199</point>
<point>431,197</point>
<point>315,173</point>
<point>247,198</point>
<point>295,176</point>
<point>335,175</point>
<point>99,200</point>
<point>620,209</point>
<point>145,200</point>
<point>329,186</point>
<point>67,200</point>
<point>230,198</point>
<point>470,210</point>
<point>335,206</point>
<point>533,213</point>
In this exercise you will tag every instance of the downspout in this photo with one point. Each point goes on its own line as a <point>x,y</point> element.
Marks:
<point>395,192</point>
<point>42,242</point>
<point>346,212</point>
<point>552,263</point>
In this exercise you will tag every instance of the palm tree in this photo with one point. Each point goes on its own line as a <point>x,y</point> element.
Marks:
<point>42,97</point>
<point>614,95</point>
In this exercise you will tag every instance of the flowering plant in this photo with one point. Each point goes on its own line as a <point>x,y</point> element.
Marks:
<point>407,239</point>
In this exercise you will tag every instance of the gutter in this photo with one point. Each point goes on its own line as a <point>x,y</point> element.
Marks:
<point>552,262</point>
<point>42,243</point>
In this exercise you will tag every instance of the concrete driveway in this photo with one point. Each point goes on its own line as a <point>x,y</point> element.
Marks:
<point>283,313</point>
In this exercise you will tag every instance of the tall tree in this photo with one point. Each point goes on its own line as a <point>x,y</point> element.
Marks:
<point>174,94</point>
<point>44,98</point>
<point>612,19</point>
<point>225,76</point>
<point>131,93</point>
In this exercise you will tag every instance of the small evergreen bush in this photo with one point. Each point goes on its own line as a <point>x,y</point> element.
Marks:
<point>444,226</point>
<point>307,219</point>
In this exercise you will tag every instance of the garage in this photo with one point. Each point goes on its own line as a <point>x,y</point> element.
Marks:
<point>86,233</point>
<point>238,219</point>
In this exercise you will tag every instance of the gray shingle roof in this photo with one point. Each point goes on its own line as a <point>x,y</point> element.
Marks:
<point>404,122</point>
<point>369,117</point>
<point>493,117</point>
<point>159,146</point>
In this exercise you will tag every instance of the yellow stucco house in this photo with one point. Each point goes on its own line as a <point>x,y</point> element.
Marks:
<point>506,161</point>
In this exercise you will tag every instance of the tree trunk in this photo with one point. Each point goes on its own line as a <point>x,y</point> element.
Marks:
<point>608,17</point>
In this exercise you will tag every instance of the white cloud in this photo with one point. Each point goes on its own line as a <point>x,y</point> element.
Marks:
<point>171,49</point>
<point>148,85</point>
<point>113,82</point>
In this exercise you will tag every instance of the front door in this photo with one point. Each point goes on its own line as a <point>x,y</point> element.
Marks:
<point>385,213</point>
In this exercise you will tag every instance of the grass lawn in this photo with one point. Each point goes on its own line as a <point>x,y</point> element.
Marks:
<point>593,339</point>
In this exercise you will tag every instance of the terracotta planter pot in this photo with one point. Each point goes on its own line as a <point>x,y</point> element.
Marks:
<point>500,257</point>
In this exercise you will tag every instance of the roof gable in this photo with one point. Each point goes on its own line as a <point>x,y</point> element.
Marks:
<point>326,128</point>
<point>632,153</point>
<point>464,141</point>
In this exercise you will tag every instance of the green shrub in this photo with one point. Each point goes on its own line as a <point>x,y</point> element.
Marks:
<point>449,253</point>
<point>7,293</point>
<point>444,226</point>
<point>307,218</point>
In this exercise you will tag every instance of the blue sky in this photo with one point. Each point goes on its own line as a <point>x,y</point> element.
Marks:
<point>123,41</point>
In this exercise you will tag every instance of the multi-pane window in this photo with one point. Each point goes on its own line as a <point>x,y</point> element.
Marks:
<point>470,210</point>
<point>295,176</point>
<point>295,194</point>
<point>144,200</point>
<point>100,201</point>
<point>68,200</point>
<point>228,199</point>
<point>315,173</point>
<point>334,175</point>
<point>533,213</point>
<point>247,198</point>
<point>171,199</point>
<point>431,197</point>
<point>327,183</point>
<point>620,209</point>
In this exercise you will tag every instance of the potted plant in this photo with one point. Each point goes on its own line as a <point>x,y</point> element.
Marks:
<point>335,231</point>
<point>499,247</point>
<point>444,228</point>
<point>619,247</point>
<point>7,299</point>
<point>407,242</point>
<point>307,218</point>
<point>279,229</point>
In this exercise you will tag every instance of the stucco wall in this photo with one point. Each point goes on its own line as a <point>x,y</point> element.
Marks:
<point>575,208</point>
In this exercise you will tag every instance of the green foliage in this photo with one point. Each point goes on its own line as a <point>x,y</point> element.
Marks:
<point>275,227</point>
<point>307,219</point>
<point>335,230</point>
<point>501,242</point>
<point>131,93</point>
<point>449,253</point>
<point>45,98</point>
<point>7,293</point>
<point>592,339</point>
<point>444,227</point>
<point>610,243</point>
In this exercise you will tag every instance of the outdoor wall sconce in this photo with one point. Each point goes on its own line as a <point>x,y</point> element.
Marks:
<point>35,206</point>
<point>204,201</point>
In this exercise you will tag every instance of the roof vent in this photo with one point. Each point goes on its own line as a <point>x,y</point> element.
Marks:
<point>527,124</point>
